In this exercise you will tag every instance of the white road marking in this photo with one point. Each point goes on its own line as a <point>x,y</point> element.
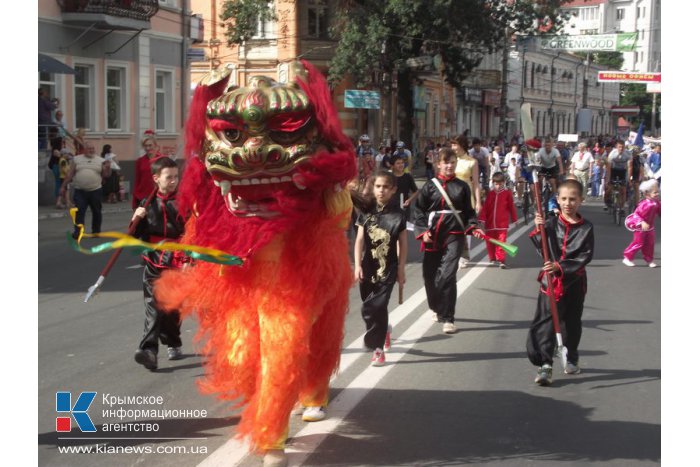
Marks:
<point>306,440</point>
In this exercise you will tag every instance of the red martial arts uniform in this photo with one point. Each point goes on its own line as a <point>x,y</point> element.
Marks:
<point>497,213</point>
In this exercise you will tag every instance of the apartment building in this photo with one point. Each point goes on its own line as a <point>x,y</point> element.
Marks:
<point>131,70</point>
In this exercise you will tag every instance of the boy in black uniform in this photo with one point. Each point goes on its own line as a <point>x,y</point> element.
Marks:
<point>160,222</point>
<point>570,240</point>
<point>442,232</point>
<point>381,249</point>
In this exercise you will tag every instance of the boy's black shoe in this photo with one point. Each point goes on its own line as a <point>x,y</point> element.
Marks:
<point>147,358</point>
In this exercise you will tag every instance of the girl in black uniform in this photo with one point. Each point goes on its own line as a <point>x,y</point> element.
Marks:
<point>380,259</point>
<point>161,221</point>
<point>442,232</point>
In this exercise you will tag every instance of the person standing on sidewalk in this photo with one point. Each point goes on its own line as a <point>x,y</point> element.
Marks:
<point>161,221</point>
<point>143,181</point>
<point>582,166</point>
<point>86,173</point>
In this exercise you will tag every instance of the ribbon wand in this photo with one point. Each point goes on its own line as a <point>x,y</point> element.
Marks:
<point>113,259</point>
<point>561,350</point>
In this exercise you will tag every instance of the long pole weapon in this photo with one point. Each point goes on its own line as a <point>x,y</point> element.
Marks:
<point>561,350</point>
<point>113,259</point>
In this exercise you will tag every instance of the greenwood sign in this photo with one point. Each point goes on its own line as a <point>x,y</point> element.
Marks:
<point>623,42</point>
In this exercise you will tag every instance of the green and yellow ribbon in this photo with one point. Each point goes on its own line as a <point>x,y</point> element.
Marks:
<point>123,240</point>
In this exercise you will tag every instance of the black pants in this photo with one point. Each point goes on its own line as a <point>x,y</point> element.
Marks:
<point>541,340</point>
<point>375,309</point>
<point>159,324</point>
<point>93,199</point>
<point>440,277</point>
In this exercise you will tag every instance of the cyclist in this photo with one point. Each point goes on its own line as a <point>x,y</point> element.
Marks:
<point>550,161</point>
<point>364,146</point>
<point>619,164</point>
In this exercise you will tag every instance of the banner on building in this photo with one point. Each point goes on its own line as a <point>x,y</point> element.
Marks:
<point>628,77</point>
<point>621,42</point>
<point>419,99</point>
<point>483,79</point>
<point>356,99</point>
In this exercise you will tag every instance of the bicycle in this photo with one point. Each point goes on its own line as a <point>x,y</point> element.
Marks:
<point>617,210</point>
<point>525,201</point>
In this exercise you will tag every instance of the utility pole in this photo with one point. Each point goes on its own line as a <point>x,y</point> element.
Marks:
<point>503,124</point>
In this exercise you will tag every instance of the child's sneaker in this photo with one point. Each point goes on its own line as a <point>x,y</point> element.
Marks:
<point>544,375</point>
<point>449,328</point>
<point>378,358</point>
<point>174,353</point>
<point>653,265</point>
<point>387,339</point>
<point>463,263</point>
<point>275,458</point>
<point>572,369</point>
<point>627,262</point>
<point>435,317</point>
<point>502,265</point>
<point>314,414</point>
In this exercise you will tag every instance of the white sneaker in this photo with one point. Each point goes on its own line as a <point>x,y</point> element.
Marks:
<point>627,262</point>
<point>435,316</point>
<point>275,458</point>
<point>174,353</point>
<point>463,263</point>
<point>314,414</point>
<point>572,369</point>
<point>378,357</point>
<point>653,265</point>
<point>449,328</point>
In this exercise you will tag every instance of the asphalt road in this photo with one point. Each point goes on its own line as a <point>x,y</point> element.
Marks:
<point>463,399</point>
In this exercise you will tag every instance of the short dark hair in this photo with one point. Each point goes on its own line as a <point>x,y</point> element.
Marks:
<point>390,177</point>
<point>476,141</point>
<point>393,159</point>
<point>163,162</point>
<point>463,142</point>
<point>571,184</point>
<point>446,154</point>
<point>498,177</point>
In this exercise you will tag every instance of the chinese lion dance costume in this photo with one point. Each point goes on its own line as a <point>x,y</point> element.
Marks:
<point>266,180</point>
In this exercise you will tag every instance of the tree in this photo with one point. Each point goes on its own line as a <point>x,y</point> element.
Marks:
<point>636,94</point>
<point>381,35</point>
<point>241,18</point>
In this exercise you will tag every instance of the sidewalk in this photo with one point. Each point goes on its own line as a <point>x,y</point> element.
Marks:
<point>50,212</point>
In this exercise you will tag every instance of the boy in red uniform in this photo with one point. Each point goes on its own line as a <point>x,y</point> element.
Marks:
<point>497,214</point>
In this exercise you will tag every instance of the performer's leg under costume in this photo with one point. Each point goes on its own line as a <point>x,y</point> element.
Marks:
<point>375,310</point>
<point>440,277</point>
<point>158,324</point>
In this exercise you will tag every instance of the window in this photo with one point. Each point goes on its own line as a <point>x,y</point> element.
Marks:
<point>265,29</point>
<point>48,82</point>
<point>620,14</point>
<point>532,75</point>
<point>116,104</point>
<point>164,100</point>
<point>84,97</point>
<point>318,19</point>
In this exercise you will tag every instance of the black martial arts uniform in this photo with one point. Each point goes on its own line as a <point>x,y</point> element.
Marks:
<point>571,247</point>
<point>161,223</point>
<point>441,256</point>
<point>380,261</point>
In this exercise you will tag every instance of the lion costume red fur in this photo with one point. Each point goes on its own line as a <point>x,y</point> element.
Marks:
<point>266,181</point>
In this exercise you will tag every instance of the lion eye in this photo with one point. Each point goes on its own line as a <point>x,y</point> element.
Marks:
<point>232,135</point>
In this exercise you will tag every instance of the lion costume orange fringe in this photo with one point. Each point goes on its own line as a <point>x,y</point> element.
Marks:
<point>272,329</point>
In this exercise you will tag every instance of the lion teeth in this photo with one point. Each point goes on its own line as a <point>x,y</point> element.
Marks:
<point>235,183</point>
<point>265,181</point>
<point>275,180</point>
<point>299,181</point>
<point>225,187</point>
<point>216,182</point>
<point>254,181</point>
<point>245,182</point>
<point>285,179</point>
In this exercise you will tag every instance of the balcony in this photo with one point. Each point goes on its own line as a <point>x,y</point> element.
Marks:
<point>128,15</point>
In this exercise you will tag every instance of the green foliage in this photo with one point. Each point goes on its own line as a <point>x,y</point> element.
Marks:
<point>460,32</point>
<point>636,94</point>
<point>241,18</point>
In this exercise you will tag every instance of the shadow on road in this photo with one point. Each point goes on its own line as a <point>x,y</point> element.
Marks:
<point>430,428</point>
